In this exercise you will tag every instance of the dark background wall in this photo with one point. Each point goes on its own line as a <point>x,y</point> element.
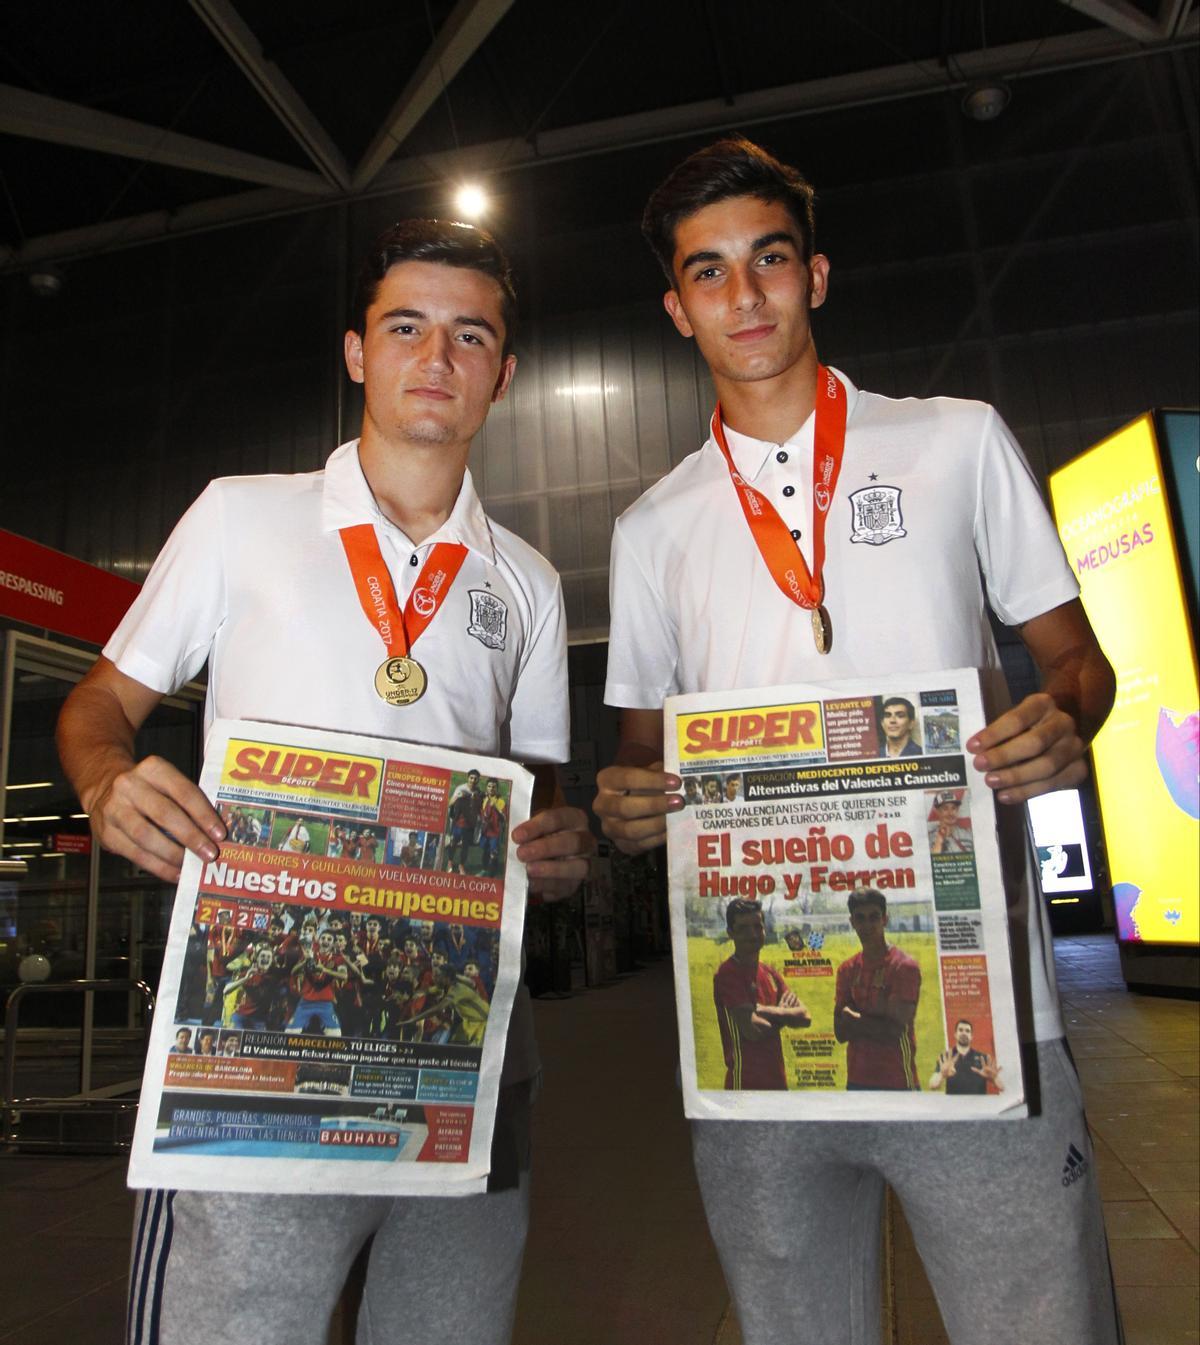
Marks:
<point>1045,261</point>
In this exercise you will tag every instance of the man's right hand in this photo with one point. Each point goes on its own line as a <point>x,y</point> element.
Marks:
<point>150,813</point>
<point>632,803</point>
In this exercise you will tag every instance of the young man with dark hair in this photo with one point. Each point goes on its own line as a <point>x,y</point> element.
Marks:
<point>897,723</point>
<point>875,1002</point>
<point>753,1004</point>
<point>262,577</point>
<point>838,495</point>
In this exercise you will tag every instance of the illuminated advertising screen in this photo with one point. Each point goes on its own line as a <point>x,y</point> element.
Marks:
<point>1060,840</point>
<point>1114,519</point>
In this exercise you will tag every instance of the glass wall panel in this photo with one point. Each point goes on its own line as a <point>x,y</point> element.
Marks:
<point>44,911</point>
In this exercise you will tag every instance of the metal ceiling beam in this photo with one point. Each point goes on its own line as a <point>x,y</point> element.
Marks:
<point>1179,18</point>
<point>1020,60</point>
<point>275,89</point>
<point>469,22</point>
<point>1121,16</point>
<point>1171,14</point>
<point>40,118</point>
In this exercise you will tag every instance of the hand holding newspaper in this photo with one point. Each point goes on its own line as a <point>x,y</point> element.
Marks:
<point>337,984</point>
<point>838,915</point>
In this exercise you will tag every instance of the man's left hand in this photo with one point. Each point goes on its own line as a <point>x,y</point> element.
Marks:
<point>1032,749</point>
<point>555,846</point>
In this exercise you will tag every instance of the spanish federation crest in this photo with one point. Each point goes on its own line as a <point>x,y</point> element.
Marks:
<point>877,516</point>
<point>489,618</point>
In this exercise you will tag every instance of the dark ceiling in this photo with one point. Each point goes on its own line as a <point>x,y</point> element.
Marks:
<point>122,121</point>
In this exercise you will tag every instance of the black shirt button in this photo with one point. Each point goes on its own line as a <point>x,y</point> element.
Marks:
<point>789,490</point>
<point>781,456</point>
<point>412,560</point>
<point>796,534</point>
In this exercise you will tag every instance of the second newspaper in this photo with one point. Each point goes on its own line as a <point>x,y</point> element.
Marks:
<point>838,916</point>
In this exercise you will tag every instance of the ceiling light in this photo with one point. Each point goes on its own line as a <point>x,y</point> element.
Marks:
<point>41,817</point>
<point>471,200</point>
<point>36,784</point>
<point>986,100</point>
<point>46,282</point>
<point>587,390</point>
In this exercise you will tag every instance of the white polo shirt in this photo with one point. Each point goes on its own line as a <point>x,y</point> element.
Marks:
<point>935,507</point>
<point>254,581</point>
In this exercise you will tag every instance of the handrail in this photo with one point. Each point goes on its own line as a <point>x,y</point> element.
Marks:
<point>12,1018</point>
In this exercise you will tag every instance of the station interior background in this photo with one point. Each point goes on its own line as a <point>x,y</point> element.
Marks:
<point>185,190</point>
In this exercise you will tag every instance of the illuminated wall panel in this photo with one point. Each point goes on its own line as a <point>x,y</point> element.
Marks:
<point>1114,519</point>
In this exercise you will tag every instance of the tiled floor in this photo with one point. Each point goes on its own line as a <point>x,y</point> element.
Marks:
<point>1139,1059</point>
<point>618,1250</point>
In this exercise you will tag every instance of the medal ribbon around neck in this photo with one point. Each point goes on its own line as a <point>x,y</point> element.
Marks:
<point>776,545</point>
<point>398,630</point>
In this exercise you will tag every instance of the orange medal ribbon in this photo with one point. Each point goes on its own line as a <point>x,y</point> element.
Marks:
<point>776,545</point>
<point>400,679</point>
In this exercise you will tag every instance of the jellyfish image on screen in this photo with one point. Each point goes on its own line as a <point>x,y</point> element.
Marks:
<point>1125,899</point>
<point>1054,863</point>
<point>1177,749</point>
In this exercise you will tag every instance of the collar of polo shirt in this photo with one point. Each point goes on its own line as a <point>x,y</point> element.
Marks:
<point>750,456</point>
<point>347,500</point>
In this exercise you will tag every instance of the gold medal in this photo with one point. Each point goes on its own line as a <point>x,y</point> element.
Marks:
<point>400,681</point>
<point>822,629</point>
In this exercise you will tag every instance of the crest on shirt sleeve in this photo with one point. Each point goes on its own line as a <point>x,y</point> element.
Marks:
<point>489,618</point>
<point>877,516</point>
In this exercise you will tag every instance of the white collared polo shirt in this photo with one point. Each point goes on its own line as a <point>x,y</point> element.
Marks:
<point>935,508</point>
<point>932,495</point>
<point>254,581</point>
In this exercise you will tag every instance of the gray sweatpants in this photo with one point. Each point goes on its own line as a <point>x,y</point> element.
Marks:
<point>209,1269</point>
<point>1005,1214</point>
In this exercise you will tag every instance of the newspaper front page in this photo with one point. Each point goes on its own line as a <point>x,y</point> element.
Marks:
<point>831,1002</point>
<point>337,984</point>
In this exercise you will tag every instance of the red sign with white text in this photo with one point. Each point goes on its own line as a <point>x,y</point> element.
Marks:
<point>46,588</point>
<point>72,843</point>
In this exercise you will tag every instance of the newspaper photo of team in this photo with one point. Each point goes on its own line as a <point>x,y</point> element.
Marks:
<point>303,834</point>
<point>471,841</point>
<point>260,968</point>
